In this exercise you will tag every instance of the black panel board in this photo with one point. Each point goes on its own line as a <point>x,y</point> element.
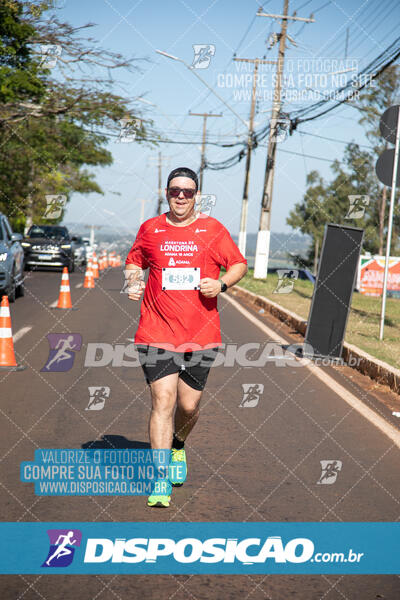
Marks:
<point>333,290</point>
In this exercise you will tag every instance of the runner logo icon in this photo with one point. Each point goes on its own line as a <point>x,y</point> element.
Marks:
<point>98,395</point>
<point>55,205</point>
<point>202,55</point>
<point>204,204</point>
<point>251,394</point>
<point>49,55</point>
<point>357,207</point>
<point>62,351</point>
<point>286,279</point>
<point>62,547</point>
<point>330,470</point>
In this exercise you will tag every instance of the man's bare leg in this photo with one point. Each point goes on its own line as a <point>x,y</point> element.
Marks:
<point>187,409</point>
<point>163,396</point>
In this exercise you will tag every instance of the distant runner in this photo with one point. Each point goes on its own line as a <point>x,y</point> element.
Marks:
<point>179,329</point>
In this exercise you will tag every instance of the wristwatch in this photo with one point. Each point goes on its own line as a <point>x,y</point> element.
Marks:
<point>224,287</point>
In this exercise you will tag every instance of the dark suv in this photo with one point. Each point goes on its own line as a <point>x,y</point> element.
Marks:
<point>11,261</point>
<point>48,246</point>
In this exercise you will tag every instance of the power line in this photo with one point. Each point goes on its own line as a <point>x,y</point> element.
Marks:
<point>232,57</point>
<point>377,24</point>
<point>391,54</point>
<point>310,156</point>
<point>243,38</point>
<point>338,40</point>
<point>323,137</point>
<point>300,31</point>
<point>372,71</point>
<point>203,143</point>
<point>303,5</point>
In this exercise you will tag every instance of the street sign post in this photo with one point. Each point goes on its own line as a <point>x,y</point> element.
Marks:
<point>388,173</point>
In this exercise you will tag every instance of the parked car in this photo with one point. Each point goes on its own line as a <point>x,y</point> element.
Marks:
<point>79,249</point>
<point>11,261</point>
<point>48,246</point>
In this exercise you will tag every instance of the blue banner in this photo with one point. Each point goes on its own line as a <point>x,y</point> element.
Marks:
<point>189,548</point>
<point>77,472</point>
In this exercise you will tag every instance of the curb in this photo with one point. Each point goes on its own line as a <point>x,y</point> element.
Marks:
<point>355,358</point>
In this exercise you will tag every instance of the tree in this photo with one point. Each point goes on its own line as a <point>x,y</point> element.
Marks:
<point>354,175</point>
<point>373,102</point>
<point>20,75</point>
<point>57,112</point>
<point>329,202</point>
<point>309,216</point>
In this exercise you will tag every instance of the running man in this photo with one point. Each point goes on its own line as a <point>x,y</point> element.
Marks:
<point>62,549</point>
<point>63,345</point>
<point>98,397</point>
<point>179,329</point>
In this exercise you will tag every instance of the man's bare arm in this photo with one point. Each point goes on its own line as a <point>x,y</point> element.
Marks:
<point>234,274</point>
<point>134,280</point>
<point>212,287</point>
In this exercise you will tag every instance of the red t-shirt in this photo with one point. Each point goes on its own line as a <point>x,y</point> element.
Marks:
<point>181,320</point>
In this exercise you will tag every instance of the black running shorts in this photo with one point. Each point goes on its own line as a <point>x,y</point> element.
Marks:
<point>193,367</point>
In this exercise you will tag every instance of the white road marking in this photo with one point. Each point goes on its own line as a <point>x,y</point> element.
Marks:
<point>389,430</point>
<point>21,332</point>
<point>79,285</point>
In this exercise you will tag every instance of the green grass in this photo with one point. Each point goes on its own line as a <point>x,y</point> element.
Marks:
<point>362,326</point>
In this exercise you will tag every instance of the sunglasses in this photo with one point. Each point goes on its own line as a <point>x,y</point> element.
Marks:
<point>187,192</point>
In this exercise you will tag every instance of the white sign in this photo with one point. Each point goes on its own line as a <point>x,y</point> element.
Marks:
<point>180,278</point>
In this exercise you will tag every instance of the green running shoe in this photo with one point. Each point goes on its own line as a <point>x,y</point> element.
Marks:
<point>161,494</point>
<point>179,456</point>
<point>158,501</point>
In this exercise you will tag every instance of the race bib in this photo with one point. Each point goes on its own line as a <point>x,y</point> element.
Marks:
<point>177,278</point>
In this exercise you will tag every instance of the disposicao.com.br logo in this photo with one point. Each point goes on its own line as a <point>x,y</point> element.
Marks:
<point>190,550</point>
<point>200,547</point>
<point>247,551</point>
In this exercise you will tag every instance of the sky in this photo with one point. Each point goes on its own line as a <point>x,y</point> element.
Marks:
<point>171,90</point>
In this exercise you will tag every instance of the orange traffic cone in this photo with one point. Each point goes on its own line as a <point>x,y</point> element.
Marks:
<point>105,261</point>
<point>64,299</point>
<point>89,281</point>
<point>118,260</point>
<point>7,356</point>
<point>95,266</point>
<point>101,262</point>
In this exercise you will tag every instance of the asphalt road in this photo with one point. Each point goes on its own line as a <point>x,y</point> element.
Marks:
<point>258,463</point>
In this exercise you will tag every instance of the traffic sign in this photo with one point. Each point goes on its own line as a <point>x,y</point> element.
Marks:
<point>384,164</point>
<point>388,123</point>
<point>384,168</point>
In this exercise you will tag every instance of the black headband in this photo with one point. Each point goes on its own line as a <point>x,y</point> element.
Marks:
<point>183,172</point>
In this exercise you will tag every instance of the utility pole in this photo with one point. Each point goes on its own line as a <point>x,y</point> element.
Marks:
<point>346,45</point>
<point>92,230</point>
<point>143,202</point>
<point>203,144</point>
<point>264,232</point>
<point>160,196</point>
<point>160,160</point>
<point>245,199</point>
